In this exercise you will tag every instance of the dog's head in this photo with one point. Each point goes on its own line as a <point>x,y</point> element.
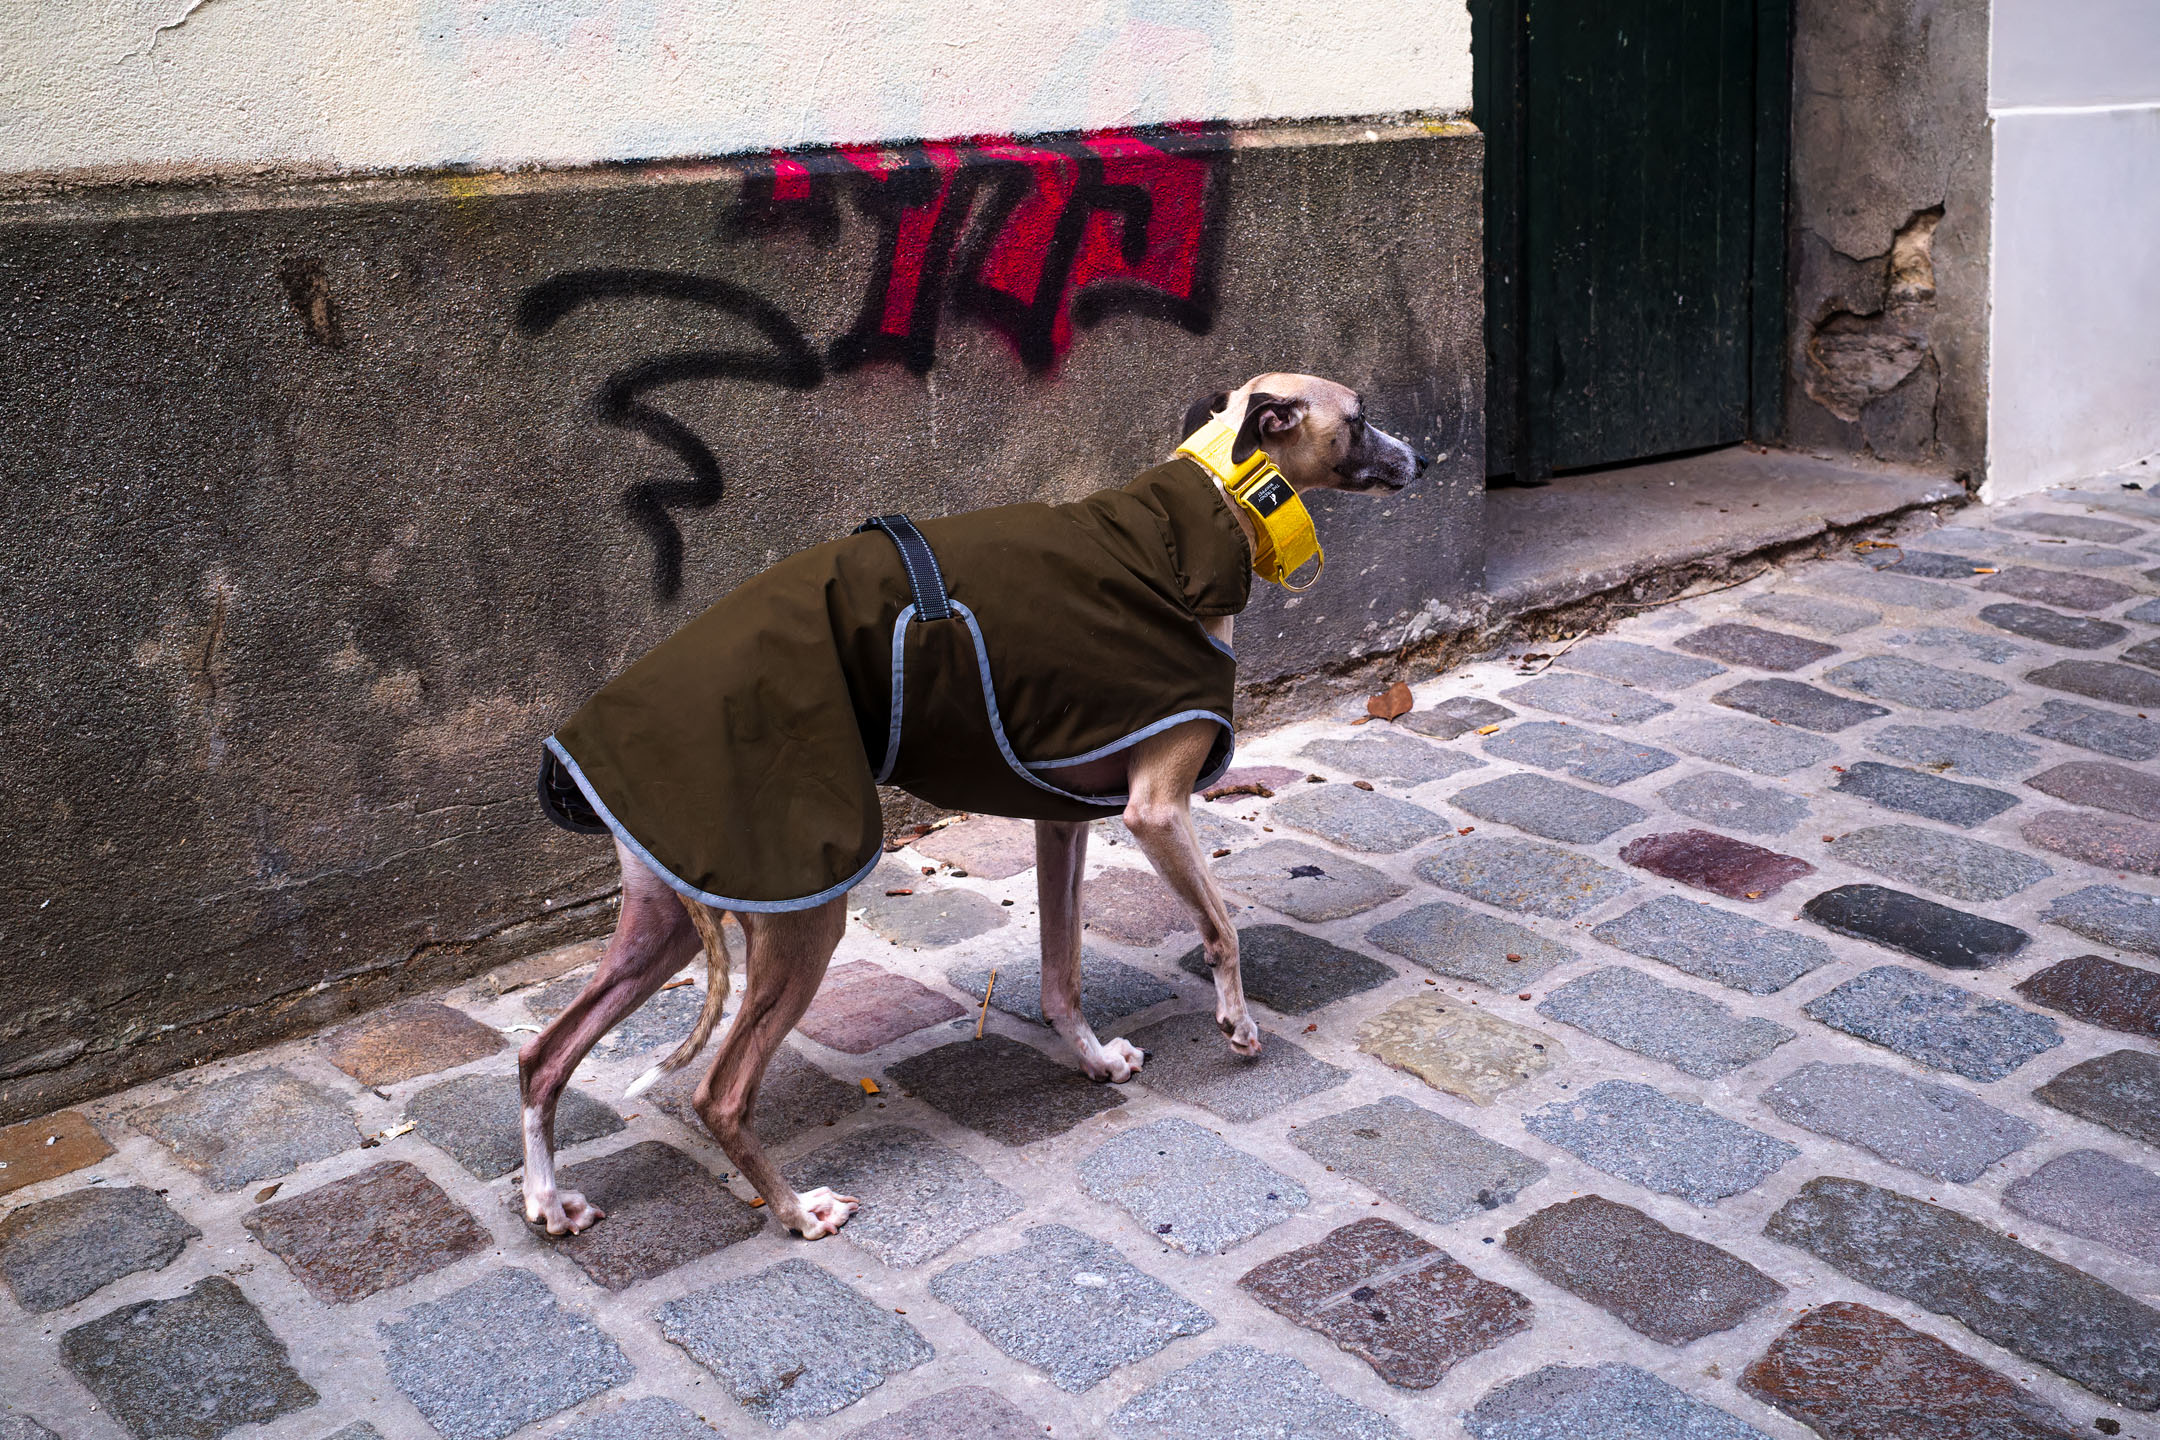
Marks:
<point>1315,431</point>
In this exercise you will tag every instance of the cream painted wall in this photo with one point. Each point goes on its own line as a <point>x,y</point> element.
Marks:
<point>391,84</point>
<point>2074,329</point>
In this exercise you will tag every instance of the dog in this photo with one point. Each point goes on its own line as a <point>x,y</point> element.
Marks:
<point>728,790</point>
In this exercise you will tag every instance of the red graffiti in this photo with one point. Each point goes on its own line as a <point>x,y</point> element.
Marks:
<point>1028,237</point>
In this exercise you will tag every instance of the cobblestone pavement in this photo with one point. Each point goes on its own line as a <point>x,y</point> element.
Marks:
<point>1744,1025</point>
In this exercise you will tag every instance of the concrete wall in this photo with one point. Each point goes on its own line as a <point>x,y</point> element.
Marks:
<point>133,84</point>
<point>1887,331</point>
<point>323,503</point>
<point>2074,92</point>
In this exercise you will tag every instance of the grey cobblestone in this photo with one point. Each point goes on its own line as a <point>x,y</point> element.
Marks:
<point>1109,989</point>
<point>254,1126</point>
<point>1674,1147</point>
<point>2034,622</point>
<point>1602,1402</point>
<point>1855,582</point>
<point>1456,940</point>
<point>1305,882</point>
<point>1189,1060</point>
<point>2120,1090</point>
<point>1524,875</point>
<point>1935,1130</point>
<point>468,1362</point>
<point>1455,716</point>
<point>1390,756</point>
<point>61,1250</point>
<point>2111,915</point>
<point>1358,819</point>
<point>1948,864</point>
<point>1988,754</point>
<point>1240,1393</point>
<point>1826,617</point>
<point>1426,1163</point>
<point>1752,745</point>
<point>1959,644</point>
<point>1572,750</point>
<point>1291,972</point>
<point>1548,807</point>
<point>2126,737</point>
<point>1954,802</point>
<point>2093,1194</point>
<point>1644,665</point>
<point>1755,647</point>
<point>1586,697</point>
<point>919,1198</point>
<point>1188,1188</point>
<point>1704,940</point>
<point>194,1366</point>
<point>1692,1033</point>
<point>1789,702</point>
<point>1935,1023</point>
<point>1732,803</point>
<point>1910,683</point>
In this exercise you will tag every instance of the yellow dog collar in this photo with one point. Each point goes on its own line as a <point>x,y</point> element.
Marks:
<point>1284,539</point>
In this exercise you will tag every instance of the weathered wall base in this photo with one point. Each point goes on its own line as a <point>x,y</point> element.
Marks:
<point>324,504</point>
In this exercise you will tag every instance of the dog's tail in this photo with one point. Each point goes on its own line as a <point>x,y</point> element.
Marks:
<point>707,921</point>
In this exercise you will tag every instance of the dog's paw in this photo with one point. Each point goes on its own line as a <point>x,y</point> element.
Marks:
<point>1244,1035</point>
<point>1114,1062</point>
<point>823,1212</point>
<point>564,1213</point>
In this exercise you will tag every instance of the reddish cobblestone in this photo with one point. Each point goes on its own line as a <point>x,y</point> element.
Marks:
<point>2100,992</point>
<point>54,1145</point>
<point>863,1006</point>
<point>2099,840</point>
<point>367,1233</point>
<point>1717,863</point>
<point>1133,907</point>
<point>418,1037</point>
<point>1666,1285</point>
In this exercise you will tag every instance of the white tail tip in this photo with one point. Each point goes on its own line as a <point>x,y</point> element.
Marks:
<point>644,1082</point>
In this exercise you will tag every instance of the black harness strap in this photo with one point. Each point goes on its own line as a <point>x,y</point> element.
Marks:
<point>924,577</point>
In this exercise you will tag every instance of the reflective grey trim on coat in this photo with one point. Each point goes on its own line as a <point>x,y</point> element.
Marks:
<point>899,666</point>
<point>683,887</point>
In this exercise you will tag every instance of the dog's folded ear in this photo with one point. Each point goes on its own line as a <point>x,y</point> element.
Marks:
<point>1266,416</point>
<point>1196,414</point>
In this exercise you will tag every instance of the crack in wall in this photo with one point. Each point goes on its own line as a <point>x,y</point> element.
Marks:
<point>1875,366</point>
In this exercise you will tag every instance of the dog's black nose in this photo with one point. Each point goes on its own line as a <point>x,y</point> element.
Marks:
<point>1423,460</point>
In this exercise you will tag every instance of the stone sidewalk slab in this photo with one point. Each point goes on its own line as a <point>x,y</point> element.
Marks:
<point>1989,754</point>
<point>1455,1048</point>
<point>988,847</point>
<point>1011,1092</point>
<point>477,1120</point>
<point>1573,750</point>
<point>373,1231</point>
<point>1547,807</point>
<point>2059,588</point>
<point>194,1366</point>
<point>1656,1281</point>
<point>2110,915</point>
<point>1397,1302</point>
<point>795,1096</point>
<point>1934,1130</point>
<point>1731,803</point>
<point>1455,717</point>
<point>62,1250</point>
<point>1188,1188</point>
<point>1954,802</point>
<point>1523,875</point>
<point>1604,1402</point>
<point>418,1037</point>
<point>259,1125</point>
<point>1389,756</point>
<point>2102,680</point>
<point>1643,665</point>
<point>50,1146</point>
<point>1789,702</point>
<point>2103,841</point>
<point>663,1210</point>
<point>1069,1305</point>
<point>1825,616</point>
<point>2033,1305</point>
<point>1109,989</point>
<point>2120,1090</point>
<point>1714,862</point>
<point>1692,1033</point>
<point>791,1342</point>
<point>1947,864</point>
<point>919,1199</point>
<point>2050,627</point>
<point>1915,926</point>
<point>1849,1372</point>
<point>1240,1393</point>
<point>1292,972</point>
<point>862,1006</point>
<point>1434,1168</point>
<point>1455,940</point>
<point>966,1412</point>
<point>2093,1194</point>
<point>1190,1060</point>
<point>1955,644</point>
<point>930,917</point>
<point>1716,944</point>
<point>652,1418</point>
<point>1754,647</point>
<point>1751,745</point>
<point>2100,992</point>
<point>2104,732</point>
<point>1914,685</point>
<point>2102,785</point>
<point>468,1361</point>
<point>1934,1023</point>
<point>1304,881</point>
<point>1672,1147</point>
<point>1133,907</point>
<point>1587,697</point>
<point>1358,819</point>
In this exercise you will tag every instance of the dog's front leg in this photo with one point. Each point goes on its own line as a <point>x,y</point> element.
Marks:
<point>1060,857</point>
<point>1159,814</point>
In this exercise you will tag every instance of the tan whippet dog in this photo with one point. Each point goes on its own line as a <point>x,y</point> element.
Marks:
<point>1317,434</point>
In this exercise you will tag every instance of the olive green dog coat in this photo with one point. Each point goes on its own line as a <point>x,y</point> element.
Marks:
<point>740,758</point>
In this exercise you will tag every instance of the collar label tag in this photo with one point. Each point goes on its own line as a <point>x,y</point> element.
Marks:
<point>1284,540</point>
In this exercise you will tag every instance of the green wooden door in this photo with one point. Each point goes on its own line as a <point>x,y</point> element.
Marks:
<point>1635,166</point>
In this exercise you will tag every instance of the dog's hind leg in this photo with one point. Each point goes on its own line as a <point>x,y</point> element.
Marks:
<point>1159,814</point>
<point>789,951</point>
<point>653,939</point>
<point>707,920</point>
<point>1060,857</point>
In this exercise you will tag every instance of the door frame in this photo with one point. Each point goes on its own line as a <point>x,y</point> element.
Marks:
<point>1500,65</point>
